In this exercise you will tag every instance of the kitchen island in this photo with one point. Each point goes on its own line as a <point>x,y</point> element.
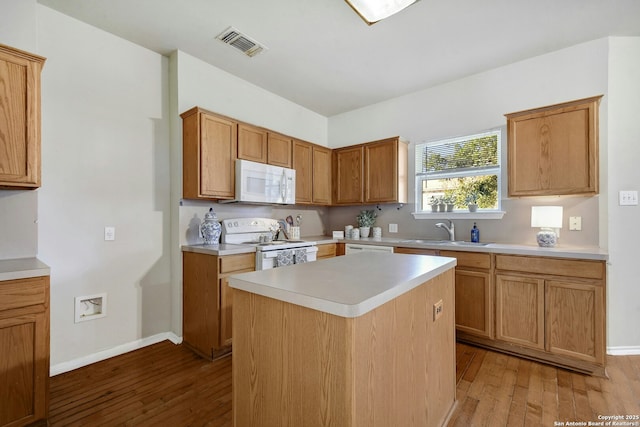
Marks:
<point>365,340</point>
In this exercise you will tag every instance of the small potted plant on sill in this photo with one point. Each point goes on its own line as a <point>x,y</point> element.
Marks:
<point>366,219</point>
<point>449,201</point>
<point>472,201</point>
<point>434,202</point>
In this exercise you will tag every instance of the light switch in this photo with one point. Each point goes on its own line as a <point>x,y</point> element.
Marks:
<point>393,228</point>
<point>628,198</point>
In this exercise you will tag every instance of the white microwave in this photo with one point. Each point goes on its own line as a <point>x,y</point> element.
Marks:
<point>262,183</point>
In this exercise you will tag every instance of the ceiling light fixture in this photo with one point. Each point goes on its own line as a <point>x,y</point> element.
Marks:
<point>372,11</point>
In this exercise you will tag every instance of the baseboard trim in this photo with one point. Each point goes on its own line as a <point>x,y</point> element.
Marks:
<point>624,351</point>
<point>63,367</point>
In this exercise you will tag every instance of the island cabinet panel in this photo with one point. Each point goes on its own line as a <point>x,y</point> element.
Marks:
<point>209,144</point>
<point>24,360</point>
<point>252,143</point>
<point>520,310</point>
<point>19,118</point>
<point>554,150</point>
<point>393,366</point>
<point>207,300</point>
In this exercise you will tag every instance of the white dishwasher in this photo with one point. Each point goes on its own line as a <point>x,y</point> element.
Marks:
<point>354,248</point>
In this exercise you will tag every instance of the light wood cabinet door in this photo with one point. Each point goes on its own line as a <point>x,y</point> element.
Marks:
<point>520,310</point>
<point>327,250</point>
<point>19,118</point>
<point>209,144</point>
<point>385,170</point>
<point>554,150</point>
<point>474,302</point>
<point>24,340</point>
<point>279,150</point>
<point>575,320</point>
<point>252,143</point>
<point>321,188</point>
<point>303,165</point>
<point>348,175</point>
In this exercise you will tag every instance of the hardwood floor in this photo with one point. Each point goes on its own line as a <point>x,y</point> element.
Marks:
<point>168,385</point>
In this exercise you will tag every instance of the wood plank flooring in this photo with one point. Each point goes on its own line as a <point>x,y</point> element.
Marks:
<point>168,385</point>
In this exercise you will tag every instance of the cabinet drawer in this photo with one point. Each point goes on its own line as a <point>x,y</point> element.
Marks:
<point>230,263</point>
<point>23,292</point>
<point>469,259</point>
<point>326,251</point>
<point>415,251</point>
<point>552,266</point>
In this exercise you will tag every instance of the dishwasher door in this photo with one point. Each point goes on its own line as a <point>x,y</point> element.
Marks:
<point>354,248</point>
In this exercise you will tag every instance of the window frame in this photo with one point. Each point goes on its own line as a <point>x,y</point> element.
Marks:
<point>419,178</point>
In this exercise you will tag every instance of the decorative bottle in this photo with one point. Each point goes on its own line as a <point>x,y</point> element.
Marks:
<point>475,234</point>
<point>210,228</point>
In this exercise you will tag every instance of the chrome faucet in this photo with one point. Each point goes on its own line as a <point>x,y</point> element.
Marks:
<point>451,229</point>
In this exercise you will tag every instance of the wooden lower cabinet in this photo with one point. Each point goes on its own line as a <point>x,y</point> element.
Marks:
<point>24,360</point>
<point>520,310</point>
<point>327,250</point>
<point>207,300</point>
<point>474,302</point>
<point>575,320</point>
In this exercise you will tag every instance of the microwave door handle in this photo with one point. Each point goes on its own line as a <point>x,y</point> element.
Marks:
<point>283,185</point>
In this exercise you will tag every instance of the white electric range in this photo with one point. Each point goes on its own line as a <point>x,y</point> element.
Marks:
<point>270,253</point>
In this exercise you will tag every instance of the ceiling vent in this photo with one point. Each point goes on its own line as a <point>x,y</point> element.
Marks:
<point>243,43</point>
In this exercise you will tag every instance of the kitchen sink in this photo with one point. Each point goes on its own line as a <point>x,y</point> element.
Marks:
<point>463,243</point>
<point>443,242</point>
<point>424,241</point>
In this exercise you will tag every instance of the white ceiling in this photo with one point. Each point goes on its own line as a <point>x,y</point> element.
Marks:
<point>324,57</point>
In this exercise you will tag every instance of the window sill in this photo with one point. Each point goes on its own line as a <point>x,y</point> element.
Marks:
<point>459,215</point>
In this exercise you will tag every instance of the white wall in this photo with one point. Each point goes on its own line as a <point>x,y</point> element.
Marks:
<point>105,161</point>
<point>624,174</point>
<point>196,83</point>
<point>475,104</point>
<point>18,208</point>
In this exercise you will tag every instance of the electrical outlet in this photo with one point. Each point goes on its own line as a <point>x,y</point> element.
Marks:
<point>437,310</point>
<point>628,198</point>
<point>575,223</point>
<point>393,228</point>
<point>109,233</point>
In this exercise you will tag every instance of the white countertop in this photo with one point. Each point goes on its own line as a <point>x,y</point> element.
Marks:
<point>560,251</point>
<point>22,268</point>
<point>344,286</point>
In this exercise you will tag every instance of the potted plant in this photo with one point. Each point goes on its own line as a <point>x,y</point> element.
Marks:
<point>472,201</point>
<point>434,202</point>
<point>449,201</point>
<point>366,219</point>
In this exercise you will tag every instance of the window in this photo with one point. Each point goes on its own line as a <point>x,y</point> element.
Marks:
<point>459,171</point>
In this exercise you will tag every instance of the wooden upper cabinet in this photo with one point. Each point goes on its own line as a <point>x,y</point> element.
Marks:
<point>279,150</point>
<point>252,143</point>
<point>553,150</point>
<point>303,165</point>
<point>19,118</point>
<point>313,173</point>
<point>375,172</point>
<point>385,169</point>
<point>209,144</point>
<point>348,175</point>
<point>321,188</point>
